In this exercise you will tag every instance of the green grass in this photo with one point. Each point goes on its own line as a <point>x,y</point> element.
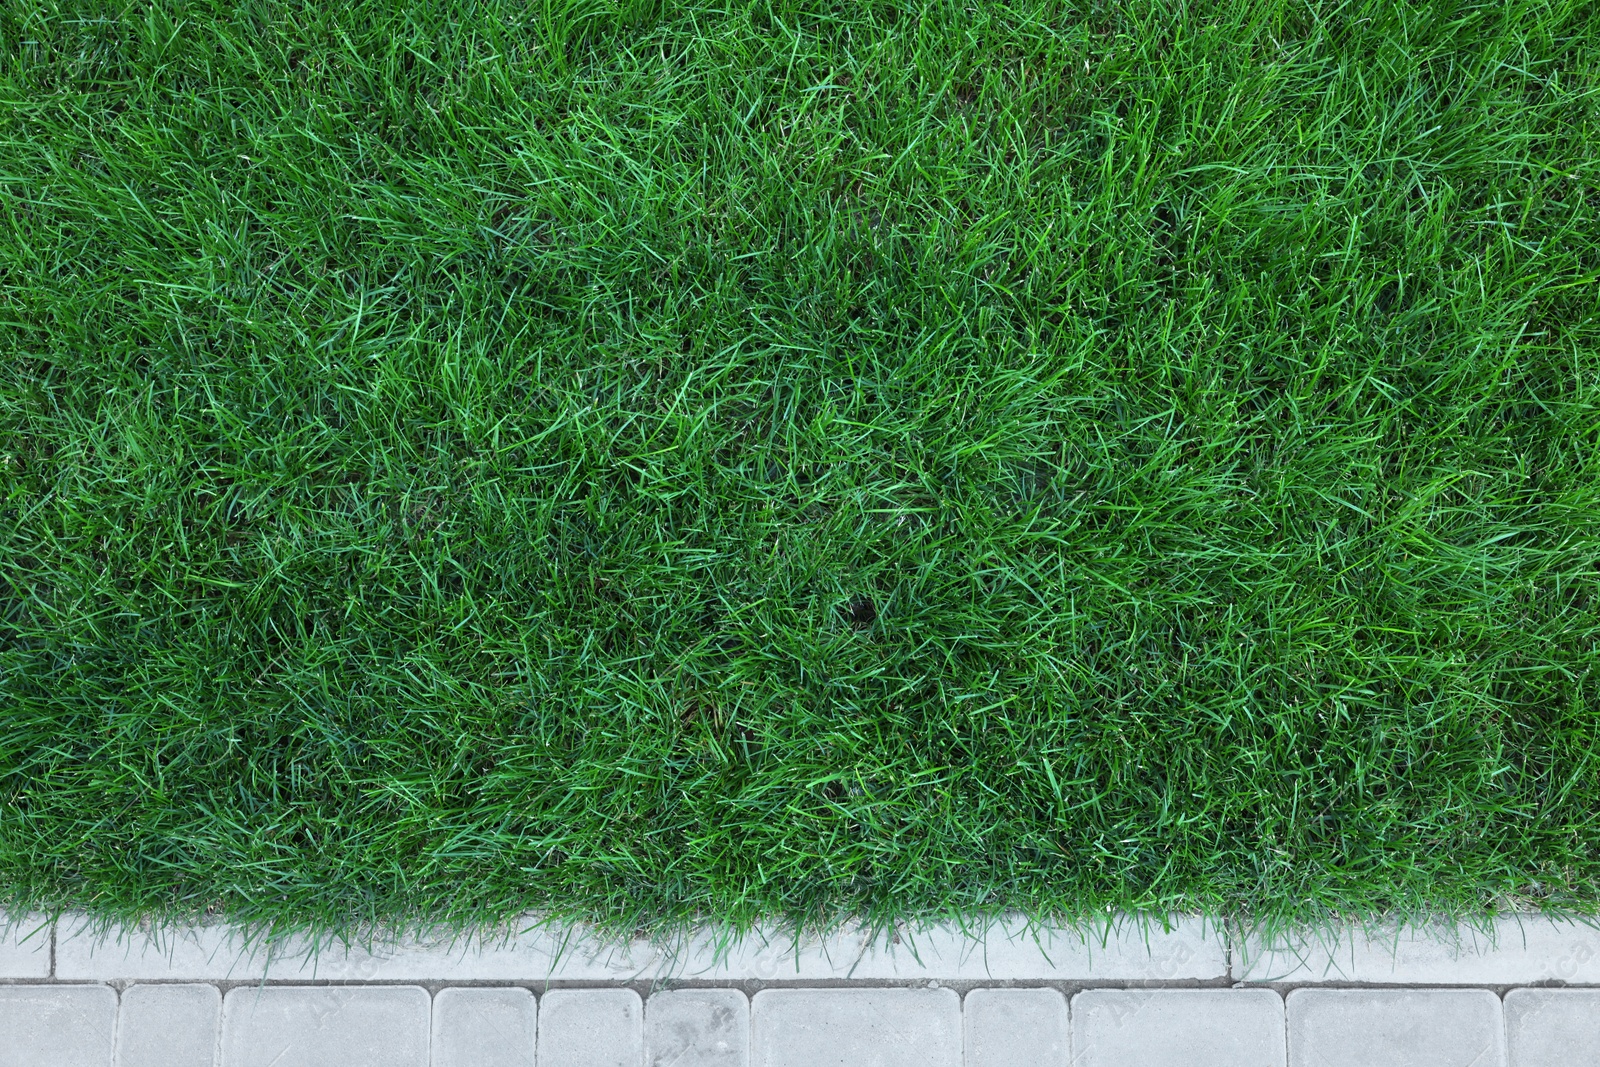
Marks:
<point>639,461</point>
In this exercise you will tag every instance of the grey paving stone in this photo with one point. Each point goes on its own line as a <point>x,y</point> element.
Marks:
<point>1553,1027</point>
<point>1395,1028</point>
<point>855,1028</point>
<point>697,1028</point>
<point>1015,1028</point>
<point>1515,950</point>
<point>1126,948</point>
<point>85,951</point>
<point>56,1025</point>
<point>169,1026</point>
<point>591,1028</point>
<point>325,1026</point>
<point>1012,949</point>
<point>484,1028</point>
<point>24,947</point>
<point>1177,1028</point>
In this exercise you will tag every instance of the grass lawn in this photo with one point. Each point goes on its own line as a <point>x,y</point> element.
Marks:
<point>641,460</point>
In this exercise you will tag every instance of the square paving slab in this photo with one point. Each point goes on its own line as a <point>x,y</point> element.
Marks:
<point>1553,1027</point>
<point>697,1028</point>
<point>484,1028</point>
<point>169,1026</point>
<point>1015,1027</point>
<point>591,1028</point>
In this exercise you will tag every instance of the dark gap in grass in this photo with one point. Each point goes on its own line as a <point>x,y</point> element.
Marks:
<point>859,611</point>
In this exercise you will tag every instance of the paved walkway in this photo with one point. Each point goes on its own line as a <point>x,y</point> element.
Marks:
<point>1527,995</point>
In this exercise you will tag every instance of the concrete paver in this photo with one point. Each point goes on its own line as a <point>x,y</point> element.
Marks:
<point>168,1026</point>
<point>322,1026</point>
<point>1015,1028</point>
<point>1395,1028</point>
<point>484,1028</point>
<point>591,1028</point>
<point>867,1027</point>
<point>1515,950</point>
<point>1012,949</point>
<point>697,1028</point>
<point>24,947</point>
<point>1124,950</point>
<point>1177,1028</point>
<point>86,952</point>
<point>1553,1027</point>
<point>56,1025</point>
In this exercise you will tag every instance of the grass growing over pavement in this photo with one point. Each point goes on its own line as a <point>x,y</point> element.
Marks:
<point>650,460</point>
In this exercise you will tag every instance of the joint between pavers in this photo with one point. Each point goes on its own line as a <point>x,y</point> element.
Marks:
<point>1497,988</point>
<point>646,987</point>
<point>1228,943</point>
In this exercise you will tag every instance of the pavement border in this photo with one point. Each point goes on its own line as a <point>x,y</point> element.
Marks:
<point>1136,950</point>
<point>1513,951</point>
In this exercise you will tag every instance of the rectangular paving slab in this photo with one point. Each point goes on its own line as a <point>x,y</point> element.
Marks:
<point>325,1026</point>
<point>1130,950</point>
<point>1015,1028</point>
<point>697,1028</point>
<point>1395,1028</point>
<point>89,952</point>
<point>1553,1027</point>
<point>484,1028</point>
<point>168,1026</point>
<point>845,1027</point>
<point>1514,950</point>
<point>56,1025</point>
<point>1125,950</point>
<point>1177,1028</point>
